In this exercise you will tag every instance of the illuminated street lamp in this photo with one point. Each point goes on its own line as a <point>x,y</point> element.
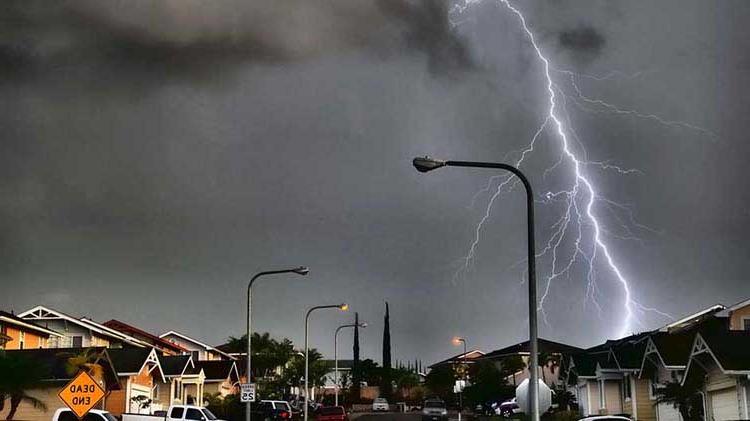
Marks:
<point>342,307</point>
<point>458,341</point>
<point>428,164</point>
<point>336,358</point>
<point>301,270</point>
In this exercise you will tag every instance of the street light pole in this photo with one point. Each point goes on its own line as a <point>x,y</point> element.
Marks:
<point>301,270</point>
<point>342,307</point>
<point>458,340</point>
<point>428,164</point>
<point>336,358</point>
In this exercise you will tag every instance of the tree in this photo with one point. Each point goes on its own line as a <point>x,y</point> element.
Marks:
<point>268,353</point>
<point>685,398</point>
<point>386,386</point>
<point>356,378</point>
<point>440,381</point>
<point>19,374</point>
<point>487,383</point>
<point>87,360</point>
<point>295,370</point>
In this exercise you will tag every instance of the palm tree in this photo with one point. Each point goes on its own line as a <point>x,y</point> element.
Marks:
<point>19,375</point>
<point>685,398</point>
<point>87,360</point>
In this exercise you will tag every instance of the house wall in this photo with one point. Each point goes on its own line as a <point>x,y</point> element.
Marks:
<point>203,354</point>
<point>612,397</point>
<point>593,397</point>
<point>115,402</point>
<point>735,318</point>
<point>224,388</point>
<point>724,401</point>
<point>644,405</point>
<point>31,339</point>
<point>70,330</point>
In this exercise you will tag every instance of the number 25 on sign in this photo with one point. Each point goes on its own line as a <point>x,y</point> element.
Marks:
<point>81,394</point>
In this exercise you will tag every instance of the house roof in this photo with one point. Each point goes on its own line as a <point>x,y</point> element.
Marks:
<point>630,354</point>
<point>196,342</point>
<point>585,364</point>
<point>132,330</point>
<point>175,365</point>
<point>735,307</point>
<point>468,357</point>
<point>545,346</point>
<point>42,313</point>
<point>130,361</point>
<point>17,321</point>
<point>218,370</point>
<point>674,348</point>
<point>54,361</point>
<point>690,320</point>
<point>730,349</point>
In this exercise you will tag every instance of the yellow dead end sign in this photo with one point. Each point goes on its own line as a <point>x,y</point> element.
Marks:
<point>81,394</point>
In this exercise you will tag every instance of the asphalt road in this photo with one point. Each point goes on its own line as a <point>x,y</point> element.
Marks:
<point>388,416</point>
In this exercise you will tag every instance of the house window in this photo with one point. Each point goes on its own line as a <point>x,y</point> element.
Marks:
<point>746,323</point>
<point>77,341</point>
<point>626,393</point>
<point>21,339</point>
<point>196,355</point>
<point>601,395</point>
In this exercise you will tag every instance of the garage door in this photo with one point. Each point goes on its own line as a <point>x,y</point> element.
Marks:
<point>667,412</point>
<point>724,404</point>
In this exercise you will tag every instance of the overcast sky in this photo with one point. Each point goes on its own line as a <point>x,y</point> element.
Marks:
<point>155,154</point>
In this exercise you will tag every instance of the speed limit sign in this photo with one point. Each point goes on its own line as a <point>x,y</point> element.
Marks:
<point>247,392</point>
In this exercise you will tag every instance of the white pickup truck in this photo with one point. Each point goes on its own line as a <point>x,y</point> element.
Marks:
<point>175,413</point>
<point>65,414</point>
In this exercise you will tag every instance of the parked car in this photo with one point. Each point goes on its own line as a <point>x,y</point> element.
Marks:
<point>270,410</point>
<point>434,410</point>
<point>282,405</point>
<point>175,413</point>
<point>65,414</point>
<point>332,413</point>
<point>507,408</point>
<point>380,404</point>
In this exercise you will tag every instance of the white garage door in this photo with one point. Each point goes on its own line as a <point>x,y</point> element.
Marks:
<point>667,412</point>
<point>724,404</point>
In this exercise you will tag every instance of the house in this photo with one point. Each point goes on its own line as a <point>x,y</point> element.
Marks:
<point>719,364</point>
<point>468,358</point>
<point>739,316</point>
<point>54,365</point>
<point>199,350</point>
<point>636,391</point>
<point>162,345</point>
<point>183,382</point>
<point>139,373</point>
<point>344,371</point>
<point>221,376</point>
<point>17,333</point>
<point>76,333</point>
<point>554,356</point>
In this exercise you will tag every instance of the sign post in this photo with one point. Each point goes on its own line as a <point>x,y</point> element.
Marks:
<point>81,394</point>
<point>247,392</point>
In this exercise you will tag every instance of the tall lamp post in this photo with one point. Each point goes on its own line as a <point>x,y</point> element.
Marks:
<point>342,307</point>
<point>428,164</point>
<point>336,358</point>
<point>457,341</point>
<point>301,270</point>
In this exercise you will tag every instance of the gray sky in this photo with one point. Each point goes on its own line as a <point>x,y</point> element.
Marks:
<point>154,157</point>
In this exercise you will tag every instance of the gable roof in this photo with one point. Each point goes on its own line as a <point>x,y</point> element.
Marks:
<point>130,361</point>
<point>468,358</point>
<point>197,342</point>
<point>175,365</point>
<point>219,370</point>
<point>694,318</point>
<point>132,330</point>
<point>17,321</point>
<point>42,313</point>
<point>127,338</point>
<point>522,348</point>
<point>53,363</point>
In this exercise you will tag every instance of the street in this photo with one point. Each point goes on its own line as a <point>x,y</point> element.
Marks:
<point>390,416</point>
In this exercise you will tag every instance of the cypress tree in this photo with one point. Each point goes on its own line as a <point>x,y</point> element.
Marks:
<point>386,388</point>
<point>356,375</point>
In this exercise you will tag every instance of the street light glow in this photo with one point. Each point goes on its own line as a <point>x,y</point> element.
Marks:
<point>344,307</point>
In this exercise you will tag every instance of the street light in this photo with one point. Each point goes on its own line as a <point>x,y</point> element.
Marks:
<point>301,270</point>
<point>457,341</point>
<point>428,164</point>
<point>342,307</point>
<point>336,358</point>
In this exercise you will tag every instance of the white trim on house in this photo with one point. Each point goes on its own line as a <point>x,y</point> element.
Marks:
<point>701,347</point>
<point>713,308</point>
<point>151,358</point>
<point>42,313</point>
<point>199,343</point>
<point>123,336</point>
<point>31,326</point>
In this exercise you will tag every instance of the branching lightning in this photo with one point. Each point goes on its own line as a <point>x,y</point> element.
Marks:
<point>579,225</point>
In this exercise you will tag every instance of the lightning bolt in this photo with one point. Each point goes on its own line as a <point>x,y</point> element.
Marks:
<point>579,224</point>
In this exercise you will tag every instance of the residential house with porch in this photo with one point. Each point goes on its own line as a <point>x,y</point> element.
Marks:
<point>199,350</point>
<point>75,332</point>
<point>183,381</point>
<point>139,373</point>
<point>553,360</point>
<point>221,376</point>
<point>17,333</point>
<point>54,365</point>
<point>719,365</point>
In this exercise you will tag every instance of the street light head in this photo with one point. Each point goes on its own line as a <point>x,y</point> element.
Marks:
<point>427,164</point>
<point>457,341</point>
<point>344,307</point>
<point>363,324</point>
<point>302,270</point>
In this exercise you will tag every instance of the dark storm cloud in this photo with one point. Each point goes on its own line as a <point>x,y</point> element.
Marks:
<point>201,39</point>
<point>584,41</point>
